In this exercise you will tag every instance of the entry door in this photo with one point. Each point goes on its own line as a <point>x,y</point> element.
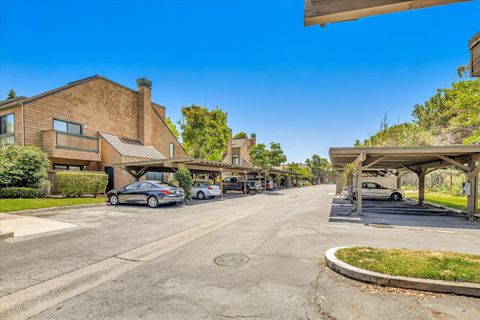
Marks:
<point>111,178</point>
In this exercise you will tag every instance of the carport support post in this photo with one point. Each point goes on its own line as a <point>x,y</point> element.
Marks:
<point>359,188</point>
<point>361,158</point>
<point>421,173</point>
<point>221,184</point>
<point>472,200</point>
<point>245,182</point>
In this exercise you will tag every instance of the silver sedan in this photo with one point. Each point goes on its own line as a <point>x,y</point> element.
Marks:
<point>202,190</point>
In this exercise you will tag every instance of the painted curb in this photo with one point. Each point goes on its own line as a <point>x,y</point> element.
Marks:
<point>49,210</point>
<point>459,288</point>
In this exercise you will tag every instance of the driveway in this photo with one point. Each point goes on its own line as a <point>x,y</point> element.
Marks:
<point>246,257</point>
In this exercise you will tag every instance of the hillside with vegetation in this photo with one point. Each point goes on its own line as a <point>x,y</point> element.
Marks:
<point>451,116</point>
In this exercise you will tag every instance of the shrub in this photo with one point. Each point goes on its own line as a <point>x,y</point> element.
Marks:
<point>185,181</point>
<point>17,192</point>
<point>74,184</point>
<point>22,166</point>
<point>43,188</point>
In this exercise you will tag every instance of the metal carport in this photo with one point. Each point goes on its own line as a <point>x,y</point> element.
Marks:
<point>420,160</point>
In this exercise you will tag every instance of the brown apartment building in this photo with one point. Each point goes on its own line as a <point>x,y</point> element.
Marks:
<point>238,151</point>
<point>92,124</point>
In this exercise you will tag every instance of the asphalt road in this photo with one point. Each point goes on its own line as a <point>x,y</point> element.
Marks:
<point>248,257</point>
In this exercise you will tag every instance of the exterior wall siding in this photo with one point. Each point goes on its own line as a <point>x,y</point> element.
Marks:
<point>97,104</point>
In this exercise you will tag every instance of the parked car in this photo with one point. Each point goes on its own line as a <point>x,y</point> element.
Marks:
<point>237,184</point>
<point>202,190</point>
<point>372,190</point>
<point>147,192</point>
<point>270,184</point>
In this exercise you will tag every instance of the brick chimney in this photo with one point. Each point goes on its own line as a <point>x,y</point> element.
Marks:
<point>253,139</point>
<point>144,110</point>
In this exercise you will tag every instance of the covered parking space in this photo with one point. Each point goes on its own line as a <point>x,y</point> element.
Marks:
<point>419,160</point>
<point>212,168</point>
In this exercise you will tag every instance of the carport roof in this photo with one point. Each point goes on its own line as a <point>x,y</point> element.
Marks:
<point>194,165</point>
<point>405,157</point>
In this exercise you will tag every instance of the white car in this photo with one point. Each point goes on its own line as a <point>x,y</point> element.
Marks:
<point>202,190</point>
<point>372,190</point>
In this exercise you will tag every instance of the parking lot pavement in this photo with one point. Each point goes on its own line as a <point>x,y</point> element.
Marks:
<point>256,257</point>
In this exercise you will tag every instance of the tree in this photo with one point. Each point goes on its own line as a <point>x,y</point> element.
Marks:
<point>241,135</point>
<point>11,94</point>
<point>265,158</point>
<point>259,155</point>
<point>205,133</point>
<point>463,102</point>
<point>22,166</point>
<point>185,181</point>
<point>296,167</point>
<point>404,134</point>
<point>276,155</point>
<point>318,167</point>
<point>171,125</point>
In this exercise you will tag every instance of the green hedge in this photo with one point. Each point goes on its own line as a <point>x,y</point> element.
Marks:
<point>14,192</point>
<point>74,184</point>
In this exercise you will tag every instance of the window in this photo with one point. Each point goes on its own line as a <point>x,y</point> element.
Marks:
<point>7,129</point>
<point>65,126</point>
<point>172,150</point>
<point>74,167</point>
<point>157,176</point>
<point>235,160</point>
<point>145,186</point>
<point>133,186</point>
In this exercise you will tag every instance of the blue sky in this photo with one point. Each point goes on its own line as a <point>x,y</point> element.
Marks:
<point>308,88</point>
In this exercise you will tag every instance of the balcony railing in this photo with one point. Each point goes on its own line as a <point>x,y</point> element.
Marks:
<point>71,146</point>
<point>77,142</point>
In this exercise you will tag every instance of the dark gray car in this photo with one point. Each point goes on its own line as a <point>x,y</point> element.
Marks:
<point>151,193</point>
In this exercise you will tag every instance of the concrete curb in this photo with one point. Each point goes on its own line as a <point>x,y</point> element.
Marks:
<point>49,210</point>
<point>459,288</point>
<point>6,235</point>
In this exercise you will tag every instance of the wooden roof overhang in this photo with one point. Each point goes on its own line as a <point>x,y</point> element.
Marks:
<point>474,47</point>
<point>405,158</point>
<point>329,11</point>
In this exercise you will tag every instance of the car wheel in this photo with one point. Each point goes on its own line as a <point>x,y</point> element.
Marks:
<point>113,200</point>
<point>396,196</point>
<point>152,202</point>
<point>200,195</point>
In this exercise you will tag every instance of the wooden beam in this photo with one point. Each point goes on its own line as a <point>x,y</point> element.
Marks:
<point>329,11</point>
<point>454,162</point>
<point>374,162</point>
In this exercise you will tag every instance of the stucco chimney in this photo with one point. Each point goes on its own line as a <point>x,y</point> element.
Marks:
<point>144,109</point>
<point>253,139</point>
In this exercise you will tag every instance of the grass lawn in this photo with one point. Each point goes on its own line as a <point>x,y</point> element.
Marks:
<point>456,202</point>
<point>436,265</point>
<point>9,205</point>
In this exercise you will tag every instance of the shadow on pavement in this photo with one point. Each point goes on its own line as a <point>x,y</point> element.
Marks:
<point>398,213</point>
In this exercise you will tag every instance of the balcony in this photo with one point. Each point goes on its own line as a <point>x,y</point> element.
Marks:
<point>70,146</point>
